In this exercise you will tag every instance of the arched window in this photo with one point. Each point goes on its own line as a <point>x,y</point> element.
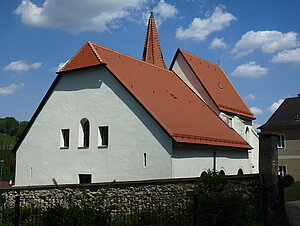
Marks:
<point>203,174</point>
<point>222,173</point>
<point>84,133</point>
<point>247,134</point>
<point>240,172</point>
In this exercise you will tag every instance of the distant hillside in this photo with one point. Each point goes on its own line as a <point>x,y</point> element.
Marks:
<point>6,139</point>
<point>12,127</point>
<point>10,131</point>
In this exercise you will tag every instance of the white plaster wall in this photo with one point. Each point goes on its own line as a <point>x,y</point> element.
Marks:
<point>184,71</point>
<point>253,139</point>
<point>96,95</point>
<point>240,126</point>
<point>192,160</point>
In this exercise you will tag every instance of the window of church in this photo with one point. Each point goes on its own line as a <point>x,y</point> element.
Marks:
<point>145,160</point>
<point>281,141</point>
<point>103,136</point>
<point>65,138</point>
<point>85,178</point>
<point>84,133</point>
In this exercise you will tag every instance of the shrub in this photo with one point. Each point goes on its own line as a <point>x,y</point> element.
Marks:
<point>288,180</point>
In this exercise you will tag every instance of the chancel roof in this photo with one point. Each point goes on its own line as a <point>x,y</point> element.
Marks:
<point>217,85</point>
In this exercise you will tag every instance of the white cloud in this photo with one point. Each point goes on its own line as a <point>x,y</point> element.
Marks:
<point>287,56</point>
<point>266,41</point>
<point>256,111</point>
<point>275,105</point>
<point>76,15</point>
<point>217,43</point>
<point>21,66</point>
<point>199,29</point>
<point>61,65</point>
<point>162,12</point>
<point>250,97</point>
<point>10,89</point>
<point>251,69</point>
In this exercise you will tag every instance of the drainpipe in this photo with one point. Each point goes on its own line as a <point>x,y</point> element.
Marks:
<point>215,161</point>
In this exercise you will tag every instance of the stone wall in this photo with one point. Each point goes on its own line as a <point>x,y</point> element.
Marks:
<point>170,193</point>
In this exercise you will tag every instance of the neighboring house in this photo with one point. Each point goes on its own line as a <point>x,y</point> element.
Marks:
<point>286,123</point>
<point>109,116</point>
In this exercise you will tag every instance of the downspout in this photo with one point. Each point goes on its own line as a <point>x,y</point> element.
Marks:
<point>215,161</point>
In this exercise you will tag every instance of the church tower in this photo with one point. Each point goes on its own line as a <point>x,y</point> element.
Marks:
<point>152,51</point>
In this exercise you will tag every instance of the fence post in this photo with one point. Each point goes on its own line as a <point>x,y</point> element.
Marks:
<point>17,211</point>
<point>282,203</point>
<point>265,198</point>
<point>196,209</point>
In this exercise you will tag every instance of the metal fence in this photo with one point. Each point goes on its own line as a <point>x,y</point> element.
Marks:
<point>264,207</point>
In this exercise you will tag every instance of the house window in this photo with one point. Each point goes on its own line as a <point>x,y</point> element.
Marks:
<point>84,134</point>
<point>103,136</point>
<point>282,170</point>
<point>85,178</point>
<point>65,138</point>
<point>145,160</point>
<point>281,141</point>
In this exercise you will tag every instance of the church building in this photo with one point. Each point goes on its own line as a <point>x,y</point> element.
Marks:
<point>109,116</point>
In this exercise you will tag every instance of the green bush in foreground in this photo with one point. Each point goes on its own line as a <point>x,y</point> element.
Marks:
<point>288,180</point>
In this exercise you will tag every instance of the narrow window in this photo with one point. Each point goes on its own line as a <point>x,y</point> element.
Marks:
<point>282,170</point>
<point>85,178</point>
<point>84,134</point>
<point>145,159</point>
<point>281,141</point>
<point>103,136</point>
<point>65,138</point>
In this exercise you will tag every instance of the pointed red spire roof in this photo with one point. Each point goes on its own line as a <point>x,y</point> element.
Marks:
<point>152,51</point>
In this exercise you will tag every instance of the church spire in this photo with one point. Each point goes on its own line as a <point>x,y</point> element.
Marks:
<point>152,51</point>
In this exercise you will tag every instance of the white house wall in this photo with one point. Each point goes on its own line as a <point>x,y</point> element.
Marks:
<point>96,95</point>
<point>192,160</point>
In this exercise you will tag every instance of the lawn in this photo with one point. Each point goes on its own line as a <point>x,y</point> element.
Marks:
<point>7,139</point>
<point>292,193</point>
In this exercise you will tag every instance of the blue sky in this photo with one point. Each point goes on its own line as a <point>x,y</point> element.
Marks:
<point>257,43</point>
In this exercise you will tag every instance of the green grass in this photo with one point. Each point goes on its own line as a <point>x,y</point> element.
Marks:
<point>6,139</point>
<point>292,193</point>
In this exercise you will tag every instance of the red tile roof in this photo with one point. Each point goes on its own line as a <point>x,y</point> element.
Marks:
<point>218,86</point>
<point>152,51</point>
<point>183,115</point>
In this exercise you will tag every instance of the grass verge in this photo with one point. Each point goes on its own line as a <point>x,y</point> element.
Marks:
<point>292,193</point>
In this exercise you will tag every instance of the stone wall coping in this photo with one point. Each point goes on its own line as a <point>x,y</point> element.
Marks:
<point>120,184</point>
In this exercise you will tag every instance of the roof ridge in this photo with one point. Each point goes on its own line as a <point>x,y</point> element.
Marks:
<point>201,59</point>
<point>134,58</point>
<point>95,52</point>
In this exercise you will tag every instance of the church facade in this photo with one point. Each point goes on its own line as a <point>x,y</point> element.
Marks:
<point>109,116</point>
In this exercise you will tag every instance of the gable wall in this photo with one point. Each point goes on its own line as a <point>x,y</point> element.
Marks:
<point>96,95</point>
<point>183,70</point>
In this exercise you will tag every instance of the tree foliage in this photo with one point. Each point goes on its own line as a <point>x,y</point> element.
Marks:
<point>12,127</point>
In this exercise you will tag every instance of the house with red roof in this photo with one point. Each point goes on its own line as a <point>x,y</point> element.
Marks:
<point>109,116</point>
